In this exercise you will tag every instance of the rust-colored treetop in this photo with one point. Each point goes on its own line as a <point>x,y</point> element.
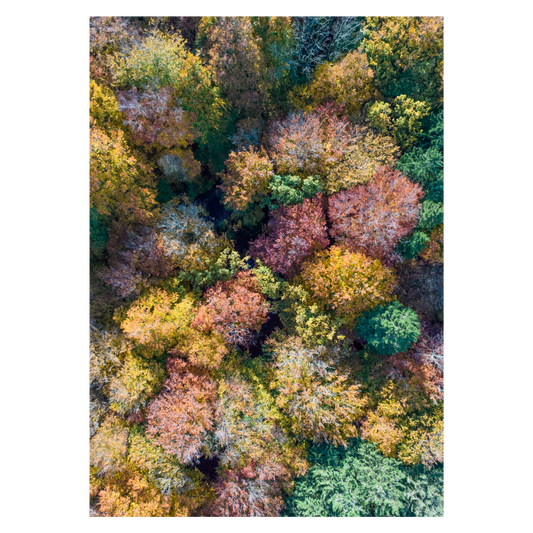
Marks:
<point>372,218</point>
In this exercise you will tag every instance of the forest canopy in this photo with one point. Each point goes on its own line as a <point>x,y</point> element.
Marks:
<point>266,258</point>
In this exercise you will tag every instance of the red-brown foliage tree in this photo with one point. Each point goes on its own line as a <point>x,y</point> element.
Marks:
<point>235,309</point>
<point>181,416</point>
<point>157,122</point>
<point>154,118</point>
<point>134,257</point>
<point>310,143</point>
<point>234,54</point>
<point>371,218</point>
<point>293,233</point>
<point>253,490</point>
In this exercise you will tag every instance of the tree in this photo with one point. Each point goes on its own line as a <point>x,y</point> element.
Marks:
<point>406,55</point>
<point>134,384</point>
<point>410,247</point>
<point>109,445</point>
<point>248,427</point>
<point>358,481</point>
<point>247,178</point>
<point>110,32</point>
<point>187,236</point>
<point>361,160</point>
<point>346,282</point>
<point>424,441</point>
<point>291,190</point>
<point>389,329</point>
<point>381,425</point>
<point>159,124</point>
<point>106,351</point>
<point>348,82</point>
<point>182,415</point>
<point>104,110</point>
<point>121,187</point>
<point>222,267</point>
<point>235,309</point>
<point>132,495</point>
<point>293,233</point>
<point>156,320</point>
<point>307,144</point>
<point>320,39</point>
<point>372,218</point>
<point>257,457</point>
<point>161,60</point>
<point>402,120</point>
<point>203,349</point>
<point>426,168</point>
<point>134,257</point>
<point>234,54</point>
<point>248,491</point>
<point>318,400</point>
<point>98,235</point>
<point>424,364</point>
<point>275,39</point>
<point>162,469</point>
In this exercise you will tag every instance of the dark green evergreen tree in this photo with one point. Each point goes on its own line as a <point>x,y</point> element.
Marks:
<point>359,481</point>
<point>389,329</point>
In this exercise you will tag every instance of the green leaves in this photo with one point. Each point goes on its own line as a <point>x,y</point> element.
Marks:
<point>389,329</point>
<point>402,120</point>
<point>357,483</point>
<point>290,190</point>
<point>431,215</point>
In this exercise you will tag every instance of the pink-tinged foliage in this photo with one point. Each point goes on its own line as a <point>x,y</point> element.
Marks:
<point>134,257</point>
<point>250,491</point>
<point>371,218</point>
<point>155,119</point>
<point>310,143</point>
<point>293,233</point>
<point>181,416</point>
<point>235,309</point>
<point>423,366</point>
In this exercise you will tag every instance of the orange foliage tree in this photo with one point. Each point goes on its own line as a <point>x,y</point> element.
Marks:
<point>372,218</point>
<point>347,282</point>
<point>136,499</point>
<point>246,180</point>
<point>235,309</point>
<point>182,415</point>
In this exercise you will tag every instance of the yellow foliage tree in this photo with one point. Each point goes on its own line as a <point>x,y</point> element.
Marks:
<point>347,282</point>
<point>156,320</point>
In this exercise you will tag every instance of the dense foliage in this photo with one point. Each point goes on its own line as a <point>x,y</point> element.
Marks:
<point>293,233</point>
<point>358,481</point>
<point>266,246</point>
<point>389,329</point>
<point>372,218</point>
